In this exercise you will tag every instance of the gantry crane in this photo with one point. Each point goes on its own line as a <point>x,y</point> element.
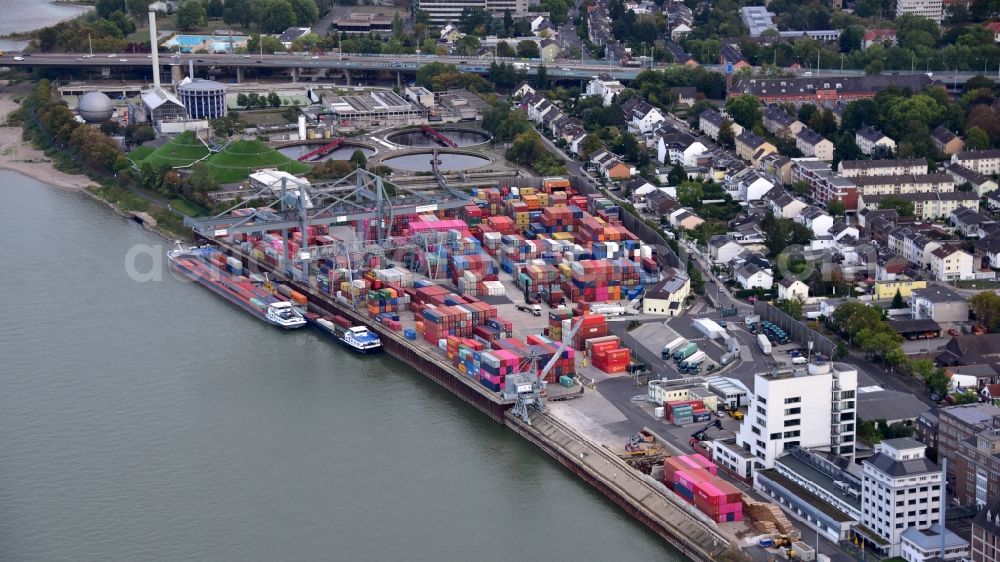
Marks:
<point>526,386</point>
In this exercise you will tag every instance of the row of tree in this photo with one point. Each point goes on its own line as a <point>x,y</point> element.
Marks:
<point>254,100</point>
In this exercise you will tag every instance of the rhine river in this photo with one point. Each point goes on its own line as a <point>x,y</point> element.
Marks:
<point>154,421</point>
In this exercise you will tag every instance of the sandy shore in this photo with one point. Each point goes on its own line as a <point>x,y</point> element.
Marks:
<point>19,156</point>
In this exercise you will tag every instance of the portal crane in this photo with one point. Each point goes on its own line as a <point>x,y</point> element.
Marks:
<point>526,386</point>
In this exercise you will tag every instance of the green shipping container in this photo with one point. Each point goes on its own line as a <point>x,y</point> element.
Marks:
<point>568,382</point>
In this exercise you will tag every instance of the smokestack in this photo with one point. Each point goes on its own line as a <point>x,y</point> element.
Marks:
<point>155,49</point>
<point>191,69</point>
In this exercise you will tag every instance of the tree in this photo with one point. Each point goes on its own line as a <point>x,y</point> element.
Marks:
<point>105,8</point>
<point>802,188</point>
<point>986,307</point>
<point>677,175</point>
<point>241,100</point>
<point>792,307</point>
<point>897,300</point>
<point>541,77</point>
<point>850,38</point>
<point>276,16</point>
<point>270,45</point>
<point>903,207</point>
<point>215,9</point>
<point>727,137</point>
<point>238,11</point>
<point>190,15</point>
<point>780,233</point>
<point>976,139</point>
<point>527,49</point>
<point>306,12</point>
<point>505,50</point>
<point>273,100</point>
<point>359,159</point>
<point>836,208</point>
<point>690,193</point>
<point>136,8</point>
<point>745,110</point>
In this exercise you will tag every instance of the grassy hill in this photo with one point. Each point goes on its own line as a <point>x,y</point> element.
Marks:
<point>182,151</point>
<point>232,165</point>
<point>241,158</point>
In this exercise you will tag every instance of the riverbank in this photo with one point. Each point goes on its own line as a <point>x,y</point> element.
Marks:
<point>19,156</point>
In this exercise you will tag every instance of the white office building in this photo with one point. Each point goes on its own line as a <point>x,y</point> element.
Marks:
<point>930,9</point>
<point>450,11</point>
<point>901,489</point>
<point>812,407</point>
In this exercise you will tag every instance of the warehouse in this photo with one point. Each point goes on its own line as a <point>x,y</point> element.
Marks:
<point>376,109</point>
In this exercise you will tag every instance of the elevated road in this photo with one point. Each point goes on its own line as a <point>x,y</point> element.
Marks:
<point>399,63</point>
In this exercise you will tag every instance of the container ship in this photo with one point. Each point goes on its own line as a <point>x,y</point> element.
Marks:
<point>211,268</point>
<point>356,338</point>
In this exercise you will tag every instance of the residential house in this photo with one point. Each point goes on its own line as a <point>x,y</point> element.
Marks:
<point>988,250</point>
<point>776,167</point>
<point>667,297</point>
<point>660,203</point>
<point>868,139</point>
<point>781,124</point>
<point>749,145</point>
<point>686,96</point>
<point>876,36</point>
<point>950,263</point>
<point>522,90</point>
<point>937,182</point>
<point>840,230</point>
<point>641,116</point>
<point>752,187</point>
<point>982,184</point>
<point>926,206</point>
<point>731,57</point>
<point>679,32</point>
<point>993,200</point>
<point>971,224</point>
<point>814,144</point>
<point>815,219</point>
<point>986,162</point>
<point>791,288</point>
<point>605,86</point>
<point>450,33</point>
<point>548,49</point>
<point>610,166</point>
<point>940,304</point>
<point>722,249</point>
<point>785,206</point>
<point>576,145</point>
<point>686,219</point>
<point>946,141</point>
<point>750,276</point>
<point>994,26</point>
<point>540,24</point>
<point>854,168</point>
<point>680,55</point>
<point>711,121</point>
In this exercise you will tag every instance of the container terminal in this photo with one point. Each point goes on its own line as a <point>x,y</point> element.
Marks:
<point>439,277</point>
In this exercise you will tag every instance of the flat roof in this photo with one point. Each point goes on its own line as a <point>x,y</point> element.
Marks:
<point>805,495</point>
<point>817,477</point>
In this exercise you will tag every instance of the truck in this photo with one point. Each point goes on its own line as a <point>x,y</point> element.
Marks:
<point>670,348</point>
<point>709,328</point>
<point>694,362</point>
<point>608,309</point>
<point>685,351</point>
<point>533,309</point>
<point>764,344</point>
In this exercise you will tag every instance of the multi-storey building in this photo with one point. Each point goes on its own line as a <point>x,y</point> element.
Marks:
<point>811,408</point>
<point>779,123</point>
<point>930,9</point>
<point>894,185</point>
<point>854,168</point>
<point>442,12</point>
<point>986,533</point>
<point>811,143</point>
<point>986,162</point>
<point>958,423</point>
<point>977,466</point>
<point>901,489</point>
<point>927,206</point>
<point>868,139</point>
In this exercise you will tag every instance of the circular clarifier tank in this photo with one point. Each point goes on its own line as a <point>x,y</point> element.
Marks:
<point>342,153</point>
<point>447,162</point>
<point>418,139</point>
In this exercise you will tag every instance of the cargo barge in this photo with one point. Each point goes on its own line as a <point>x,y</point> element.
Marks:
<point>197,264</point>
<point>358,339</point>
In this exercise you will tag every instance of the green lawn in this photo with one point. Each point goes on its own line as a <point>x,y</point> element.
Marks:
<point>182,151</point>
<point>141,153</point>
<point>187,207</point>
<point>241,158</point>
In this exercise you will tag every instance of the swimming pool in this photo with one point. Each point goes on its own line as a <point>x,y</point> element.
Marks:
<point>212,43</point>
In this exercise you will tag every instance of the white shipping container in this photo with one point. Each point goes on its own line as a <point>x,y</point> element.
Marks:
<point>646,251</point>
<point>658,412</point>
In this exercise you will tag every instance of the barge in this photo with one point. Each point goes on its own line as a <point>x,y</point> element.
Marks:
<point>358,339</point>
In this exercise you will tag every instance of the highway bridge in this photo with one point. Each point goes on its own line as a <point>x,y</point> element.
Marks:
<point>402,64</point>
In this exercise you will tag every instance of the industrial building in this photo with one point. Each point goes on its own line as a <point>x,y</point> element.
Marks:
<point>376,109</point>
<point>204,99</point>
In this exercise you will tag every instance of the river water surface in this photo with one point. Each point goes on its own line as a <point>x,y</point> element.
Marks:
<point>154,421</point>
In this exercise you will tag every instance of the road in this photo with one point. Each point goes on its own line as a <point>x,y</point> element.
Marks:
<point>402,63</point>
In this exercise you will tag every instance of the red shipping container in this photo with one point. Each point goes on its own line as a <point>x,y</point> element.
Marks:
<point>688,478</point>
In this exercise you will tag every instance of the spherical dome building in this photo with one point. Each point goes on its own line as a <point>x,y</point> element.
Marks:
<point>95,107</point>
<point>204,99</point>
